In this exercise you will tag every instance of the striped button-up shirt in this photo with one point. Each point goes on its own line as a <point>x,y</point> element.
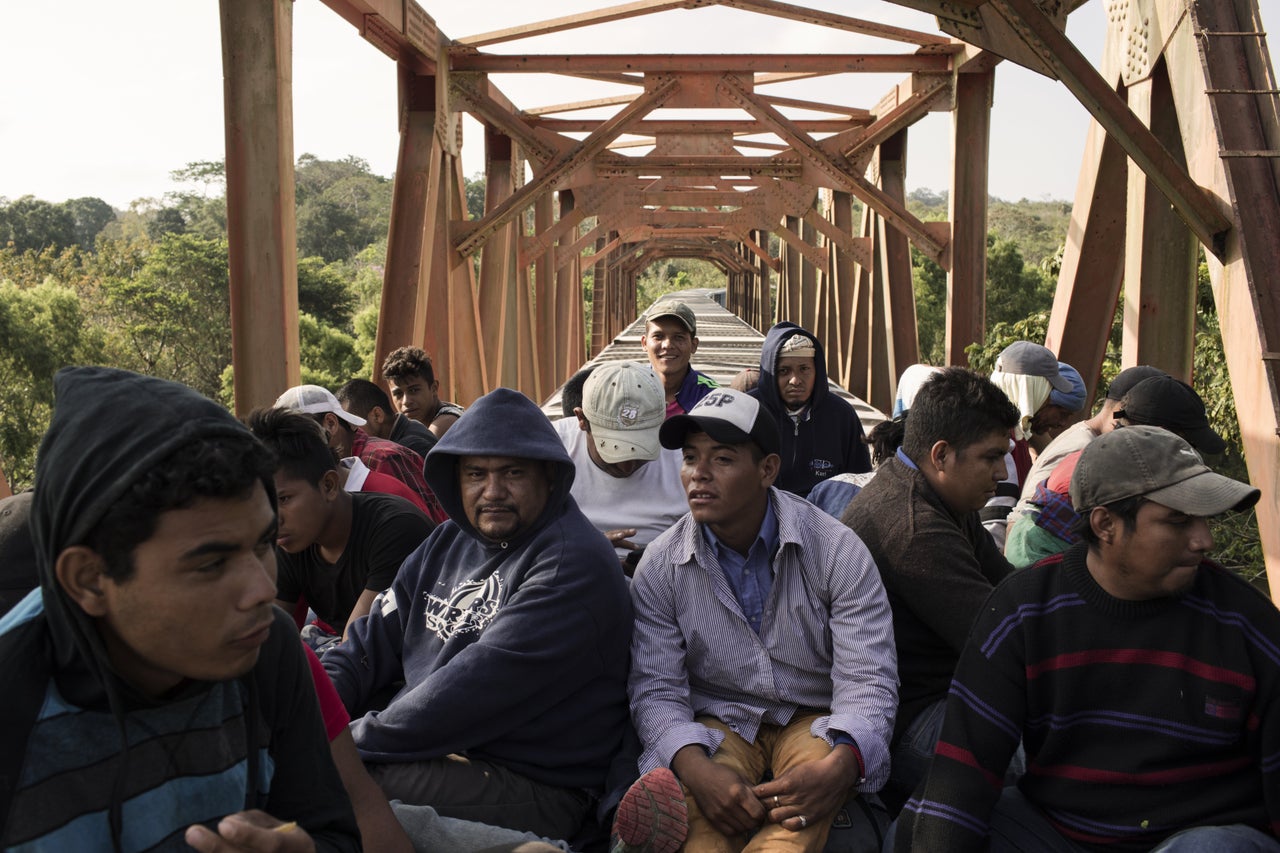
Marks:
<point>825,641</point>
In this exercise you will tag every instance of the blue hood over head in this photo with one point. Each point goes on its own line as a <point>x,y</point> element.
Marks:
<point>501,423</point>
<point>767,389</point>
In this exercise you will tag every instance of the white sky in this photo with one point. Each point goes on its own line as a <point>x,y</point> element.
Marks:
<point>100,101</point>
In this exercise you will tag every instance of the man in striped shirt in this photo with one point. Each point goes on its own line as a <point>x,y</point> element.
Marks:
<point>1142,678</point>
<point>763,644</point>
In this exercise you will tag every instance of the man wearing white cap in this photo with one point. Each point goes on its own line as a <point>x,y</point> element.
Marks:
<point>627,485</point>
<point>1141,677</point>
<point>348,439</point>
<point>763,643</point>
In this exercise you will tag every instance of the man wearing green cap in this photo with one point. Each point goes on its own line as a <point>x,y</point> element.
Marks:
<point>670,339</point>
<point>1141,677</point>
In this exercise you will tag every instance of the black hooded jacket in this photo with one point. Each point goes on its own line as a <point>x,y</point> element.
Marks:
<point>826,438</point>
<point>68,781</point>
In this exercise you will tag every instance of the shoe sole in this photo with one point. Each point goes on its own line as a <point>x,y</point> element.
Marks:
<point>652,817</point>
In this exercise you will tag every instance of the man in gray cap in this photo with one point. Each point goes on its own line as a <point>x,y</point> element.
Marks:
<point>627,485</point>
<point>1140,676</point>
<point>670,340</point>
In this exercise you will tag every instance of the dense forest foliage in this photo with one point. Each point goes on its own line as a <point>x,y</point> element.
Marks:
<point>147,288</point>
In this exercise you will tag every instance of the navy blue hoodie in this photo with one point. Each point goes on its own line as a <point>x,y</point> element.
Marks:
<point>514,651</point>
<point>826,439</point>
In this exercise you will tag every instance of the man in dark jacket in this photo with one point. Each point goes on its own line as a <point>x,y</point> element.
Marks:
<point>363,399</point>
<point>919,519</point>
<point>510,628</point>
<point>152,693</point>
<point>821,434</point>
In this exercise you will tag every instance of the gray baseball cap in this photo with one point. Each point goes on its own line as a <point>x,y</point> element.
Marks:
<point>1153,463</point>
<point>1027,359</point>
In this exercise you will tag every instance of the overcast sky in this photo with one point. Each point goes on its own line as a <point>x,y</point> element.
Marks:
<point>100,102</point>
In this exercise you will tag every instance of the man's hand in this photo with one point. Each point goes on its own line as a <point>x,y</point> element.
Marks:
<point>814,790</point>
<point>621,538</point>
<point>253,831</point>
<point>724,797</point>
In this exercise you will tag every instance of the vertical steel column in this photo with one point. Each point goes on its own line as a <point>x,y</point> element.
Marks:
<point>257,60</point>
<point>403,280</point>
<point>970,151</point>
<point>1160,251</point>
<point>546,335</point>
<point>599,336</point>
<point>570,353</point>
<point>499,300</point>
<point>1093,261</point>
<point>900,298</point>
<point>844,284</point>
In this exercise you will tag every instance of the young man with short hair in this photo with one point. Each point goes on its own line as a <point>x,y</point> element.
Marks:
<point>364,399</point>
<point>821,433</point>
<point>346,437</point>
<point>153,695</point>
<point>1141,677</point>
<point>919,519</point>
<point>336,549</point>
<point>670,340</point>
<point>414,387</point>
<point>763,643</point>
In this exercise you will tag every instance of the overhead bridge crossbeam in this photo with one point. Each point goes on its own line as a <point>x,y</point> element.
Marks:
<point>706,156</point>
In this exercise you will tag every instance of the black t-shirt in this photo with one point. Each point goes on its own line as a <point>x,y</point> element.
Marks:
<point>384,530</point>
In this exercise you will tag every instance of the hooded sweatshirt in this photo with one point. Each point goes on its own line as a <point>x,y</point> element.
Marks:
<point>68,781</point>
<point>823,439</point>
<point>512,651</point>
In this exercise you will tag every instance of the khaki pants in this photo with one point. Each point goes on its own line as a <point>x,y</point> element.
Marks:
<point>776,748</point>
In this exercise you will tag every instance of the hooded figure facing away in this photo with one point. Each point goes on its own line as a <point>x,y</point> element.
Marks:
<point>511,628</point>
<point>821,434</point>
<point>152,692</point>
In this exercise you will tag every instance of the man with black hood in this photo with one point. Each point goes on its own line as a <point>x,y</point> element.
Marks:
<point>821,434</point>
<point>510,628</point>
<point>153,695</point>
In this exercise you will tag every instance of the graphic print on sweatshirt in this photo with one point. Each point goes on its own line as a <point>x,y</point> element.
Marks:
<point>470,607</point>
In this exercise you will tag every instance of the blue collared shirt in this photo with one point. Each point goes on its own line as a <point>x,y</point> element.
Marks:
<point>825,641</point>
<point>906,460</point>
<point>750,577</point>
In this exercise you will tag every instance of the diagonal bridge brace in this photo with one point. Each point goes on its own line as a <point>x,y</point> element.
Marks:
<point>469,240</point>
<point>1197,207</point>
<point>838,170</point>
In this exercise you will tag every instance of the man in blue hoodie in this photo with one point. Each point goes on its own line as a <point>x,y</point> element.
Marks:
<point>821,434</point>
<point>511,628</point>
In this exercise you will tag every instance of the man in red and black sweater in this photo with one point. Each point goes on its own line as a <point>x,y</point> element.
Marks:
<point>1143,679</point>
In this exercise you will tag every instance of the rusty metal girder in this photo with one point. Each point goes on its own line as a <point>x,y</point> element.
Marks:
<point>839,172</point>
<point>742,63</point>
<point>538,144</point>
<point>471,239</point>
<point>1194,204</point>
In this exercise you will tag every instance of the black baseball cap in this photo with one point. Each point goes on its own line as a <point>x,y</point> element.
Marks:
<point>1163,401</point>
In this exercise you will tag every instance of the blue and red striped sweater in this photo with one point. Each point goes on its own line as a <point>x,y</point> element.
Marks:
<point>1140,718</point>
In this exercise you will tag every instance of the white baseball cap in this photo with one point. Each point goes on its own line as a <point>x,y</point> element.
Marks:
<point>312,400</point>
<point>625,405</point>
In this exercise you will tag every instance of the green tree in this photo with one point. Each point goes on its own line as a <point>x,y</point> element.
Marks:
<point>42,329</point>
<point>31,223</point>
<point>90,215</point>
<point>475,195</point>
<point>324,293</point>
<point>1014,290</point>
<point>171,316</point>
<point>328,355</point>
